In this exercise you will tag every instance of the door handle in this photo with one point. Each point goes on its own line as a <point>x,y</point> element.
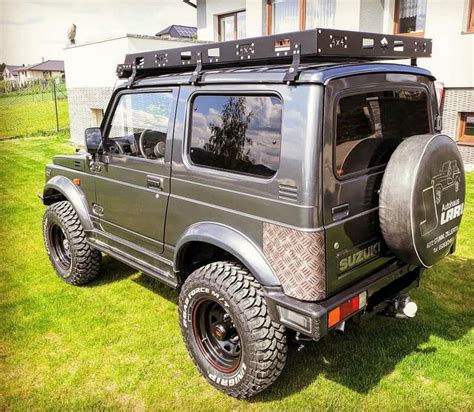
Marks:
<point>154,182</point>
<point>340,211</point>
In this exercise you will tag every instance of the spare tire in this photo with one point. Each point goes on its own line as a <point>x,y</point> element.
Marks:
<point>422,199</point>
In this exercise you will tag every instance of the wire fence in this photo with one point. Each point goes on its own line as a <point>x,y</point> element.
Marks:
<point>37,107</point>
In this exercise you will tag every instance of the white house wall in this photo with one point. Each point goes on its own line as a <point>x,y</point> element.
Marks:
<point>208,10</point>
<point>90,76</point>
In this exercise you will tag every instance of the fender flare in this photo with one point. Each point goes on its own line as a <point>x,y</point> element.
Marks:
<point>72,194</point>
<point>233,242</point>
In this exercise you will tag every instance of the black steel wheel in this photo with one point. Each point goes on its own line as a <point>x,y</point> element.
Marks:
<point>216,335</point>
<point>59,247</point>
<point>73,259</point>
<point>228,332</point>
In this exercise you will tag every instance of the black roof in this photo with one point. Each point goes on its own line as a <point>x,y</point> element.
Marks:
<point>177,31</point>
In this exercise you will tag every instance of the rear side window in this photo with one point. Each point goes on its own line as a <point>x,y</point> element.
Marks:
<point>370,126</point>
<point>236,133</point>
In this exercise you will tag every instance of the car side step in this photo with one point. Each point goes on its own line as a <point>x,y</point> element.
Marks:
<point>136,264</point>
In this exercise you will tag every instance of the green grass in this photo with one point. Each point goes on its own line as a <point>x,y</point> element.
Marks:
<point>116,344</point>
<point>20,116</point>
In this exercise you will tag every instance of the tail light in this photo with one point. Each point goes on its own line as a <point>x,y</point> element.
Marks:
<point>346,309</point>
<point>439,87</point>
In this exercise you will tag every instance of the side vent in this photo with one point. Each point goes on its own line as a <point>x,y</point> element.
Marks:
<point>287,192</point>
<point>78,164</point>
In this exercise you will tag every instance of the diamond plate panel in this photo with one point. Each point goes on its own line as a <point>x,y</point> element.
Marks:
<point>298,259</point>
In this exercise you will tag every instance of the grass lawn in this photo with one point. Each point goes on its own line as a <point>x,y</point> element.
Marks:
<point>20,116</point>
<point>116,344</point>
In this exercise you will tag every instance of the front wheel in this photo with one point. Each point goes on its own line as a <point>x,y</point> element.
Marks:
<point>74,260</point>
<point>228,332</point>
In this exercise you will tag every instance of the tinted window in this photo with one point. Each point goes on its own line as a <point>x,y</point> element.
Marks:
<point>139,125</point>
<point>237,133</point>
<point>370,126</point>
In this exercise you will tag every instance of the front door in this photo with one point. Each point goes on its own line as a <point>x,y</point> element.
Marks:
<point>133,185</point>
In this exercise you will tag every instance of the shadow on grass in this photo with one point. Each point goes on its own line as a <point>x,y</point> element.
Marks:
<point>111,270</point>
<point>363,355</point>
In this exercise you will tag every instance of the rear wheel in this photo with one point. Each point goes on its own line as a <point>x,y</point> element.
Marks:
<point>228,332</point>
<point>74,260</point>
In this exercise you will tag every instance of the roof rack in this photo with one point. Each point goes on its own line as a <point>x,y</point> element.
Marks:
<point>318,45</point>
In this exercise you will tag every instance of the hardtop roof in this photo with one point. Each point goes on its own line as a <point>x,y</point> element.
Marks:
<point>308,73</point>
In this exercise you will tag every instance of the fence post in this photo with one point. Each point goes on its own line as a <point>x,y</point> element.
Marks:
<point>55,105</point>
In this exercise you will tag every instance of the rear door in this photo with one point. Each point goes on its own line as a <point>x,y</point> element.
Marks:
<point>366,118</point>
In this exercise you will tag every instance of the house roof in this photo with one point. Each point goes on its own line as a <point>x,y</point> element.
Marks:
<point>11,67</point>
<point>47,66</point>
<point>176,30</point>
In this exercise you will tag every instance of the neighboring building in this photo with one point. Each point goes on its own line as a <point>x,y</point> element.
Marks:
<point>10,74</point>
<point>91,75</point>
<point>176,31</point>
<point>40,71</point>
<point>449,23</point>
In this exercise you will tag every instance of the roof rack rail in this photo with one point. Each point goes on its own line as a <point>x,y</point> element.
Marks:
<point>317,45</point>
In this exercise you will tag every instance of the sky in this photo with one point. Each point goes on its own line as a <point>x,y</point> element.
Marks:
<point>34,29</point>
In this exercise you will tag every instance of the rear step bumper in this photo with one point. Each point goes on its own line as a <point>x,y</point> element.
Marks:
<point>310,318</point>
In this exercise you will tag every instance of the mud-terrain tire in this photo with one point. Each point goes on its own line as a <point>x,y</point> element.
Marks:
<point>420,208</point>
<point>218,302</point>
<point>73,259</point>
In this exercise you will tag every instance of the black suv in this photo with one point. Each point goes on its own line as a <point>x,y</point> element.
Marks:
<point>285,184</point>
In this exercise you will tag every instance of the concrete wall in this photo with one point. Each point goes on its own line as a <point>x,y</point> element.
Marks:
<point>453,51</point>
<point>90,75</point>
<point>347,14</point>
<point>372,16</point>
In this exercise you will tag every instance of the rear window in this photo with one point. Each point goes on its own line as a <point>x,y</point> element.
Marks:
<point>236,133</point>
<point>370,126</point>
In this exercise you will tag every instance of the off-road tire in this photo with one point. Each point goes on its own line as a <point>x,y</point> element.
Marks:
<point>84,260</point>
<point>263,341</point>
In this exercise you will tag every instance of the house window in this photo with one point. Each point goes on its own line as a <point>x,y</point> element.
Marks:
<point>410,17</point>
<point>466,130</point>
<point>470,17</point>
<point>232,26</point>
<point>292,15</point>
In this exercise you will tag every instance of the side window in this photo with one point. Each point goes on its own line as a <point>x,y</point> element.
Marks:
<point>370,126</point>
<point>237,133</point>
<point>139,125</point>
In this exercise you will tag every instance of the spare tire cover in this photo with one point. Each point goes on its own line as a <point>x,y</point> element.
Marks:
<point>422,199</point>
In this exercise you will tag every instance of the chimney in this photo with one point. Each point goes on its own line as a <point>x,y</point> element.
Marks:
<point>42,59</point>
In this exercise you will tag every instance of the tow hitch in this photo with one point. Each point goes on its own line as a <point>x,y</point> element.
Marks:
<point>402,307</point>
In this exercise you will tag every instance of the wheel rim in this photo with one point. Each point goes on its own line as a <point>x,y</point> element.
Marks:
<point>60,249</point>
<point>216,335</point>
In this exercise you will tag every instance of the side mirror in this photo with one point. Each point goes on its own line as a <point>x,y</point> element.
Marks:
<point>93,138</point>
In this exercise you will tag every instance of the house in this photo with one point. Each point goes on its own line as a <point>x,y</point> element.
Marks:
<point>176,31</point>
<point>40,71</point>
<point>91,74</point>
<point>449,23</point>
<point>10,74</point>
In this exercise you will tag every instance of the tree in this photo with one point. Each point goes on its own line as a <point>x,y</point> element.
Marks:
<point>227,141</point>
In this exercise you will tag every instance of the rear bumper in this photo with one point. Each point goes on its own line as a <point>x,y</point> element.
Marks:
<point>381,287</point>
